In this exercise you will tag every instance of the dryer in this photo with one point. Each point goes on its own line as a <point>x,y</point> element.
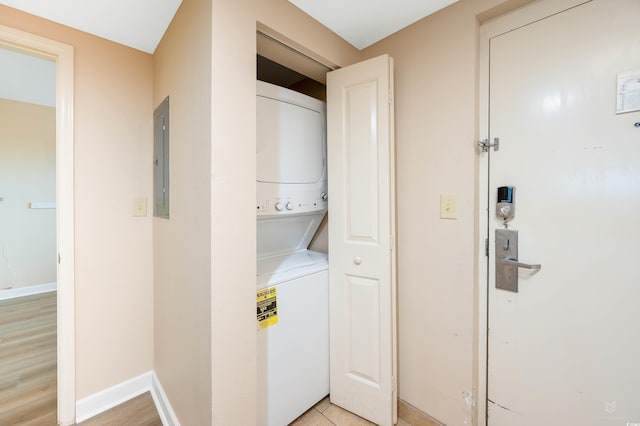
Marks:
<point>292,281</point>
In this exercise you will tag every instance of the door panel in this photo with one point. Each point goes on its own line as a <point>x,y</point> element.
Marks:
<point>361,267</point>
<point>363,328</point>
<point>361,161</point>
<point>563,350</point>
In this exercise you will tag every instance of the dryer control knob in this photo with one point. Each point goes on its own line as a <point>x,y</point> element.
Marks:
<point>278,206</point>
<point>289,205</point>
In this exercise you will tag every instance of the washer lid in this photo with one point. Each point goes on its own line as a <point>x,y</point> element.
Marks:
<point>286,234</point>
<point>276,269</point>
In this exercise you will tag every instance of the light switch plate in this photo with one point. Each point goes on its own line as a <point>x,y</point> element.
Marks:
<point>448,206</point>
<point>139,207</point>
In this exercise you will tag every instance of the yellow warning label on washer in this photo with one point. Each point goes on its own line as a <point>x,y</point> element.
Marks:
<point>267,307</point>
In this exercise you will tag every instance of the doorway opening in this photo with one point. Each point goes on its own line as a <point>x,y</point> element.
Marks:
<point>28,236</point>
<point>28,173</point>
<point>63,257</point>
<point>292,278</point>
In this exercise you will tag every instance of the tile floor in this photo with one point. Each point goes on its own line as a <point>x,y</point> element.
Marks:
<point>324,413</point>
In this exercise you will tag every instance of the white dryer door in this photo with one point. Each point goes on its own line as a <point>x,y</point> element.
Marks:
<point>290,142</point>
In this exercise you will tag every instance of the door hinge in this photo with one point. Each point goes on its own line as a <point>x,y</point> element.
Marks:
<point>484,145</point>
<point>486,247</point>
<point>390,96</point>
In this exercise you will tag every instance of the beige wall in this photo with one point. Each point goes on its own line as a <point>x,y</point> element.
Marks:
<point>113,127</point>
<point>233,252</point>
<point>182,244</point>
<point>436,128</point>
<point>27,174</point>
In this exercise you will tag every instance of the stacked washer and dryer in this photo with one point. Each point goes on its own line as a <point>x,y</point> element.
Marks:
<point>292,281</point>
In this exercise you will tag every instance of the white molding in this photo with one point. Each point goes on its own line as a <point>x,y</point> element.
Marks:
<point>167,415</point>
<point>31,290</point>
<point>63,55</point>
<point>118,394</point>
<point>115,395</point>
<point>65,220</point>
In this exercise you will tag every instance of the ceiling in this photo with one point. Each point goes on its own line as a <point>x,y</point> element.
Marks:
<point>141,23</point>
<point>136,23</point>
<point>364,22</point>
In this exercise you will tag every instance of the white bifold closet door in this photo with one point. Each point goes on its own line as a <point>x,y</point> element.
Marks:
<point>361,239</point>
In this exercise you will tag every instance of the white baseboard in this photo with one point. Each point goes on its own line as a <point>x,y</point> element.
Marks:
<point>110,397</point>
<point>12,293</point>
<point>122,392</point>
<point>167,415</point>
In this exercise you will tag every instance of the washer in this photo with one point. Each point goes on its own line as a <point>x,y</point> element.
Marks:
<point>293,355</point>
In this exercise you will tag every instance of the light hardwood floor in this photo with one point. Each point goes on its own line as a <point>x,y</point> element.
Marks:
<point>28,372</point>
<point>139,411</point>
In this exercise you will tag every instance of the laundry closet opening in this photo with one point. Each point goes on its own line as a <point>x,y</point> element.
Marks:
<point>292,293</point>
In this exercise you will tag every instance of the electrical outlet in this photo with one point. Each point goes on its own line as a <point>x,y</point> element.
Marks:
<point>448,206</point>
<point>139,207</point>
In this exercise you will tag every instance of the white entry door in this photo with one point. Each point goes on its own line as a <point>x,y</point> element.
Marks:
<point>565,349</point>
<point>361,239</point>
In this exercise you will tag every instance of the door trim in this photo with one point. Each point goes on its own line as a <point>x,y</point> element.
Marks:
<point>509,21</point>
<point>62,55</point>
